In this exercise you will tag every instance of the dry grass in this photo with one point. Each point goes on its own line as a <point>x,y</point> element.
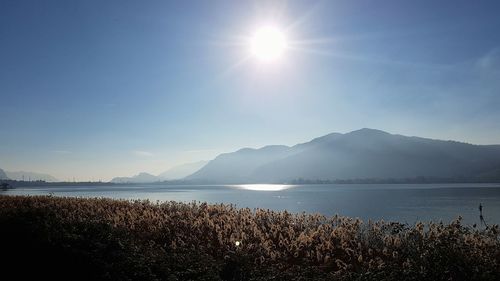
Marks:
<point>139,240</point>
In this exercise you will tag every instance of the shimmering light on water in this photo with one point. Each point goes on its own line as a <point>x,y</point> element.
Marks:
<point>394,202</point>
<point>264,187</point>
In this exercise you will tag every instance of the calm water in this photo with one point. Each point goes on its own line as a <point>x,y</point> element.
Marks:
<point>395,202</point>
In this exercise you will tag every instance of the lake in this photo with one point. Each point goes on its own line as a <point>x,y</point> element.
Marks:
<point>392,202</point>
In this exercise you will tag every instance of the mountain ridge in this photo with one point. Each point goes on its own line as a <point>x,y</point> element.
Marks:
<point>139,178</point>
<point>181,171</point>
<point>364,153</point>
<point>26,176</point>
<point>33,176</point>
<point>3,175</point>
<point>174,173</point>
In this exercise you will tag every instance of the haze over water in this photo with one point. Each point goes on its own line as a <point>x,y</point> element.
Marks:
<point>396,202</point>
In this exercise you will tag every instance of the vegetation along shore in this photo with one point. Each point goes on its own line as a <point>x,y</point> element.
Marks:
<point>104,239</point>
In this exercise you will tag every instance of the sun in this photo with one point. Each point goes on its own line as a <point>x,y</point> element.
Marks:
<point>268,44</point>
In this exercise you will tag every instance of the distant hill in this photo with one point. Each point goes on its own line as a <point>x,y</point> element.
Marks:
<point>181,171</point>
<point>240,165</point>
<point>140,178</point>
<point>3,176</point>
<point>361,154</point>
<point>174,173</point>
<point>20,175</point>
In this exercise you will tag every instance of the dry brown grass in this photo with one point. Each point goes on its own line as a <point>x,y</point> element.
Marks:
<point>177,241</point>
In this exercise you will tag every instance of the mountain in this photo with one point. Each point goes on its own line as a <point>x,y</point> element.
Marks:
<point>3,176</point>
<point>361,154</point>
<point>181,171</point>
<point>240,165</point>
<point>174,173</point>
<point>20,175</point>
<point>140,178</point>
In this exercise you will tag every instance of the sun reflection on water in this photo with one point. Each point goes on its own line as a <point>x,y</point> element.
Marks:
<point>264,187</point>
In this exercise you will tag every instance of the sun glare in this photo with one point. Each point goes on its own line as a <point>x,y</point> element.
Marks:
<point>268,44</point>
<point>264,187</point>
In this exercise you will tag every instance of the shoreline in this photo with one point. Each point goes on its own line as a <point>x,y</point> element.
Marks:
<point>27,184</point>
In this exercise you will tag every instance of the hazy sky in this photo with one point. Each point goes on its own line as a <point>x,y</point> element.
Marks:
<point>96,89</point>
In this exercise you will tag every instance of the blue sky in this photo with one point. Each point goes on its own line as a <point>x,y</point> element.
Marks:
<point>96,89</point>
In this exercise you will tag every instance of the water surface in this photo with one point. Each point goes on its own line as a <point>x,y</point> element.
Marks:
<point>391,202</point>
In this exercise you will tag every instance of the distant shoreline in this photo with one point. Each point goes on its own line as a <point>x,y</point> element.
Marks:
<point>417,180</point>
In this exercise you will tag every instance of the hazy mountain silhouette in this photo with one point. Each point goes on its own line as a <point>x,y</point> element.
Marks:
<point>361,154</point>
<point>139,178</point>
<point>174,173</point>
<point>20,175</point>
<point>3,176</point>
<point>240,165</point>
<point>181,171</point>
